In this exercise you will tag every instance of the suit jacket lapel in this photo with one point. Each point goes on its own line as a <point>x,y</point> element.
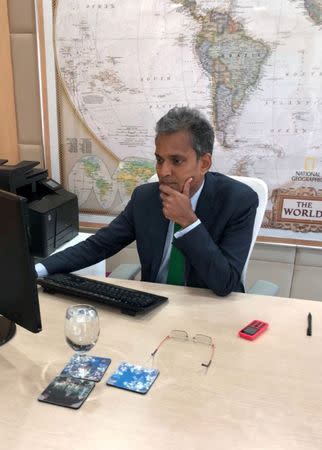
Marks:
<point>160,226</point>
<point>207,208</point>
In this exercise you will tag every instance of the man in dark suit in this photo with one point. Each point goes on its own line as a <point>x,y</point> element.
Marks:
<point>200,220</point>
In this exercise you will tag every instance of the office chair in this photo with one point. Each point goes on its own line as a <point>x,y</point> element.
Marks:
<point>260,287</point>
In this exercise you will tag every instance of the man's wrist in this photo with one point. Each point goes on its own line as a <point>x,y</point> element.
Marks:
<point>186,222</point>
<point>186,230</point>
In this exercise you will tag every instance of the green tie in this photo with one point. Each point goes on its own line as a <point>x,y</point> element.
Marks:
<point>176,264</point>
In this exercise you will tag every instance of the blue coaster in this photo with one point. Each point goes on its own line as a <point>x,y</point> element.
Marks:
<point>93,367</point>
<point>133,378</point>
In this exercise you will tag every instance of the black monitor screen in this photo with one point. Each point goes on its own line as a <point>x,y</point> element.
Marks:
<point>18,289</point>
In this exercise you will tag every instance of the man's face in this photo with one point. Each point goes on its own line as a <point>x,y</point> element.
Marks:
<point>177,161</point>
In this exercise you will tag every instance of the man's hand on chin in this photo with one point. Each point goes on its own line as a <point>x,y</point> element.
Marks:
<point>177,205</point>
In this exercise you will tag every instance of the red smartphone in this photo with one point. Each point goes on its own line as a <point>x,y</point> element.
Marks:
<point>253,330</point>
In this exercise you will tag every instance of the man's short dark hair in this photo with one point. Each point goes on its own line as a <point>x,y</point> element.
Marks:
<point>191,120</point>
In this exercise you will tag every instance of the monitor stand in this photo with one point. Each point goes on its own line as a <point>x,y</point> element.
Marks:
<point>7,330</point>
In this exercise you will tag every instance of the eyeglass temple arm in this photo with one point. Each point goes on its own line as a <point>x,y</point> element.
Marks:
<point>211,356</point>
<point>163,340</point>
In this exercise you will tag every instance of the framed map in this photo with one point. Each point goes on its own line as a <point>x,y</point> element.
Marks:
<point>254,67</point>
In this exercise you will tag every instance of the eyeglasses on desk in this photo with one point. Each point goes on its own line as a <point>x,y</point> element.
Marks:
<point>182,335</point>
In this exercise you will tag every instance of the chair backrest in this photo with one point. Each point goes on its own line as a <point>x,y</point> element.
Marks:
<point>153,179</point>
<point>260,187</point>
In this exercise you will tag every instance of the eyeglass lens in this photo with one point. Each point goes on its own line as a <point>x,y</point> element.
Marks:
<point>202,339</point>
<point>179,334</point>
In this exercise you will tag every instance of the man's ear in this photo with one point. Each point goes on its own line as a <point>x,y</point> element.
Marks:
<point>206,161</point>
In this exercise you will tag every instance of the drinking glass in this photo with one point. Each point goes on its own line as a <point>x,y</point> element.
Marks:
<point>81,331</point>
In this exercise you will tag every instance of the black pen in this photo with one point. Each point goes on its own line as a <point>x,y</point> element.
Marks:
<point>309,325</point>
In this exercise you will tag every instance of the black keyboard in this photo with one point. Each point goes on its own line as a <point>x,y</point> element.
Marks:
<point>129,301</point>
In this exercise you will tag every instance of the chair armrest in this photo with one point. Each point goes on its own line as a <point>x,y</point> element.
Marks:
<point>263,287</point>
<point>126,271</point>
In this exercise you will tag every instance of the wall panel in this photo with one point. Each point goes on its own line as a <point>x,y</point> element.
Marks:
<point>8,126</point>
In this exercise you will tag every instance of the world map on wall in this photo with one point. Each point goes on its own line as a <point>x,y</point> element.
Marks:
<point>254,68</point>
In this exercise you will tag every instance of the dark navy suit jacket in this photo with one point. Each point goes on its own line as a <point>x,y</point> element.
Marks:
<point>215,251</point>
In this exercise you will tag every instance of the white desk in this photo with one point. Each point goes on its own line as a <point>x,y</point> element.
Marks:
<point>259,395</point>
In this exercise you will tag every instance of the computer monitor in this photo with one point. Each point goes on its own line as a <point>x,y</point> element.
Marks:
<point>18,290</point>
